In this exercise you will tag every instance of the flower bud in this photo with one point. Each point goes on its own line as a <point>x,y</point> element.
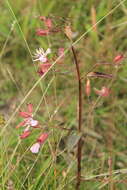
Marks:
<point>118,58</point>
<point>25,134</point>
<point>41,32</point>
<point>43,137</point>
<point>88,88</point>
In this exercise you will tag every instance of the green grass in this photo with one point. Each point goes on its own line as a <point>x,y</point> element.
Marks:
<point>55,95</point>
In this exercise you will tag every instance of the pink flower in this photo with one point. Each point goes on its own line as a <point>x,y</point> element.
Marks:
<point>23,123</point>
<point>49,27</point>
<point>43,68</point>
<point>25,134</point>
<point>42,138</point>
<point>28,113</point>
<point>41,32</point>
<point>47,21</point>
<point>103,92</point>
<point>41,56</point>
<point>118,58</point>
<point>28,118</point>
<point>28,122</point>
<point>35,147</point>
<point>24,114</point>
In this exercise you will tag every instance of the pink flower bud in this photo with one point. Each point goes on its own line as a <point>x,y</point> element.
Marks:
<point>21,124</point>
<point>25,134</point>
<point>88,88</point>
<point>41,32</point>
<point>24,114</point>
<point>48,23</point>
<point>35,148</point>
<point>105,92</point>
<point>118,58</point>
<point>30,108</point>
<point>42,138</point>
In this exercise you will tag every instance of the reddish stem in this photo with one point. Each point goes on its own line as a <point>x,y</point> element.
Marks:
<point>79,145</point>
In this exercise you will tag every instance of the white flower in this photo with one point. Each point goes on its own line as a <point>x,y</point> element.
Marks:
<point>33,122</point>
<point>41,56</point>
<point>35,148</point>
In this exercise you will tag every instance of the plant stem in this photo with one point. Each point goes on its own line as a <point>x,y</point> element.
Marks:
<point>79,145</point>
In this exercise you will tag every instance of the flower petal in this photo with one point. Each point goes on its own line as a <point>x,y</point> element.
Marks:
<point>105,92</point>
<point>48,51</point>
<point>44,67</point>
<point>35,148</point>
<point>24,114</point>
<point>42,59</point>
<point>33,123</point>
<point>21,124</point>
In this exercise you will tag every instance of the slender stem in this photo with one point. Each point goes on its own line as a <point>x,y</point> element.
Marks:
<point>117,172</point>
<point>79,145</point>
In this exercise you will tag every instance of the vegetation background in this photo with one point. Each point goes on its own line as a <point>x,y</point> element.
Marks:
<point>55,96</point>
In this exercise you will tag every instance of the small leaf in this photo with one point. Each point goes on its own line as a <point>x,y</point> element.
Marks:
<point>73,140</point>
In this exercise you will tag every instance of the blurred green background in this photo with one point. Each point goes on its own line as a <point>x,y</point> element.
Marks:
<point>55,96</point>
